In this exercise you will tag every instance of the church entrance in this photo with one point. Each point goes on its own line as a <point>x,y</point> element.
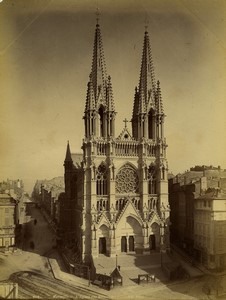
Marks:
<point>123,244</point>
<point>131,243</point>
<point>152,243</point>
<point>102,245</point>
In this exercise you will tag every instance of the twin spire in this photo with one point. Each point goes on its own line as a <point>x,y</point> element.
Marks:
<point>99,90</point>
<point>100,109</point>
<point>148,94</point>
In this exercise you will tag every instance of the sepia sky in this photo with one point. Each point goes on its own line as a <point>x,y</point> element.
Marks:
<point>45,59</point>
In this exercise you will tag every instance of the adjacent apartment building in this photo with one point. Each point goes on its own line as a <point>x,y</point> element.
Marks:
<point>197,213</point>
<point>210,228</point>
<point>8,221</point>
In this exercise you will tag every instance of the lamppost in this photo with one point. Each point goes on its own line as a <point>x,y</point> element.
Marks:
<point>162,241</point>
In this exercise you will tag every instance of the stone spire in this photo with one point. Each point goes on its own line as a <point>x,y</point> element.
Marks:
<point>99,115</point>
<point>147,77</point>
<point>98,72</point>
<point>145,94</point>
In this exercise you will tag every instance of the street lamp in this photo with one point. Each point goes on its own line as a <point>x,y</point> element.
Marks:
<point>162,236</point>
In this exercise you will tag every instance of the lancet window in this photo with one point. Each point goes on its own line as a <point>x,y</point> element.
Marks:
<point>102,204</point>
<point>101,121</point>
<point>127,180</point>
<point>120,203</point>
<point>136,202</point>
<point>152,203</point>
<point>150,125</point>
<point>152,180</point>
<point>101,185</point>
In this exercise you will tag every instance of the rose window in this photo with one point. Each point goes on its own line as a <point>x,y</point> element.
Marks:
<point>127,180</point>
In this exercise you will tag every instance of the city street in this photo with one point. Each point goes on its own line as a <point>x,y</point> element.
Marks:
<point>31,269</point>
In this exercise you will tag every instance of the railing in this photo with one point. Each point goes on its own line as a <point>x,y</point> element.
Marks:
<point>101,148</point>
<point>152,201</point>
<point>126,149</point>
<point>151,150</point>
<point>102,203</point>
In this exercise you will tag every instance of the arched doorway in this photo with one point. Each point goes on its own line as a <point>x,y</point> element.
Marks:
<point>123,244</point>
<point>103,239</point>
<point>131,243</point>
<point>152,242</point>
<point>154,238</point>
<point>102,245</point>
<point>131,235</point>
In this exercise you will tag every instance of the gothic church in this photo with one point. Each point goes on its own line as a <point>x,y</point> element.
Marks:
<point>116,191</point>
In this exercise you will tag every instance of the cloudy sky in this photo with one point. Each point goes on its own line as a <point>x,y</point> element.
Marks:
<point>45,60</point>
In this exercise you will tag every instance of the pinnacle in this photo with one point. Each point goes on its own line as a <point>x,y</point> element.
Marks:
<point>68,153</point>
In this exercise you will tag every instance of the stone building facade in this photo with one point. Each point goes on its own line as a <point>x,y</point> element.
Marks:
<point>116,190</point>
<point>8,216</point>
<point>46,194</point>
<point>210,229</point>
<point>197,202</point>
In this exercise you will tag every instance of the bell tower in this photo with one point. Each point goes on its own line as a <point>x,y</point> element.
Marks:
<point>148,129</point>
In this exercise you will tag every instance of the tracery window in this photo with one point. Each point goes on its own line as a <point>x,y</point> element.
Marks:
<point>127,180</point>
<point>152,180</point>
<point>101,185</point>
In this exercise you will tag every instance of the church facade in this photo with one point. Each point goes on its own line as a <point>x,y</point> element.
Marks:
<point>116,191</point>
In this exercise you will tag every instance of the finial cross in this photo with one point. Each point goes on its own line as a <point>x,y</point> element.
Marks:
<point>146,22</point>
<point>97,15</point>
<point>125,121</point>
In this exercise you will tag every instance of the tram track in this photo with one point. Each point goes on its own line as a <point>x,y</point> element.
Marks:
<point>31,285</point>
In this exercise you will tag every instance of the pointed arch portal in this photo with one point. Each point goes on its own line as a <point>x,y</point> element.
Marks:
<point>131,234</point>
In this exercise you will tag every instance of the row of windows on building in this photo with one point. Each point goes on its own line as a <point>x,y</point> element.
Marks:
<point>203,204</point>
<point>203,216</point>
<point>204,229</point>
<point>203,242</point>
